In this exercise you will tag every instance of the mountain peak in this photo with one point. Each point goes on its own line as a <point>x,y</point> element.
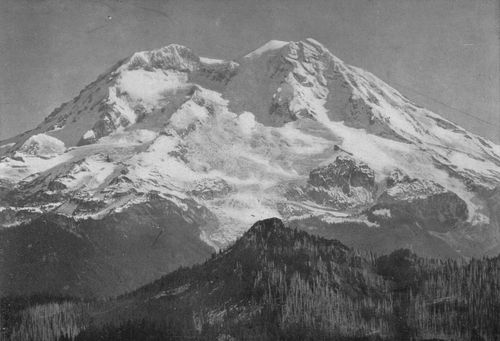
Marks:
<point>275,45</point>
<point>266,226</point>
<point>249,135</point>
<point>271,45</point>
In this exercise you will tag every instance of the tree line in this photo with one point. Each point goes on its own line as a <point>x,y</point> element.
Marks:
<point>277,283</point>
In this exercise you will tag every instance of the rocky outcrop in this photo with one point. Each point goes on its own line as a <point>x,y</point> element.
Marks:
<point>416,201</point>
<point>217,73</point>
<point>208,189</point>
<point>107,124</point>
<point>345,183</point>
<point>173,56</point>
<point>346,173</point>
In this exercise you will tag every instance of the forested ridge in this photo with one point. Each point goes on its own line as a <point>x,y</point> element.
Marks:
<point>277,283</point>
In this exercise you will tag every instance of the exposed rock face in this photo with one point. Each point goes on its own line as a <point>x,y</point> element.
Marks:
<point>495,203</point>
<point>102,128</point>
<point>345,173</point>
<point>397,176</point>
<point>280,112</point>
<point>215,73</point>
<point>355,111</point>
<point>211,188</point>
<point>425,202</point>
<point>169,57</point>
<point>13,217</point>
<point>345,183</point>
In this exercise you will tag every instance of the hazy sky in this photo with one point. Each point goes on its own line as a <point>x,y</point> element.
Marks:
<point>444,54</point>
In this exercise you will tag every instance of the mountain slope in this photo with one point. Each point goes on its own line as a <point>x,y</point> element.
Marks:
<point>277,283</point>
<point>88,258</point>
<point>288,130</point>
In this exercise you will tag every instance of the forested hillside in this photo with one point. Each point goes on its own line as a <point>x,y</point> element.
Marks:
<point>278,283</point>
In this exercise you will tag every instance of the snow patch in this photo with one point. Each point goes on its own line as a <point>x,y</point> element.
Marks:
<point>121,106</point>
<point>269,46</point>
<point>148,86</point>
<point>89,134</point>
<point>90,173</point>
<point>190,113</point>
<point>246,122</point>
<point>129,138</point>
<point>42,145</point>
<point>210,61</point>
<point>382,212</point>
<point>302,143</point>
<point>7,145</point>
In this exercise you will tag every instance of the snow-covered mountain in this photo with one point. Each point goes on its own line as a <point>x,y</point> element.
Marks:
<point>287,131</point>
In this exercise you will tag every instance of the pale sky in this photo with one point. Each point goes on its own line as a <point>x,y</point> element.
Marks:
<point>443,54</point>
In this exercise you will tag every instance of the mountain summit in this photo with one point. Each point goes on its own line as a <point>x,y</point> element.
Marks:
<point>288,130</point>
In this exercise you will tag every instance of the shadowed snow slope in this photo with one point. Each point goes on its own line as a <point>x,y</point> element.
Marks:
<point>289,130</point>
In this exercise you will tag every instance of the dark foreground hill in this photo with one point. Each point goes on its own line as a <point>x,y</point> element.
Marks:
<point>277,283</point>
